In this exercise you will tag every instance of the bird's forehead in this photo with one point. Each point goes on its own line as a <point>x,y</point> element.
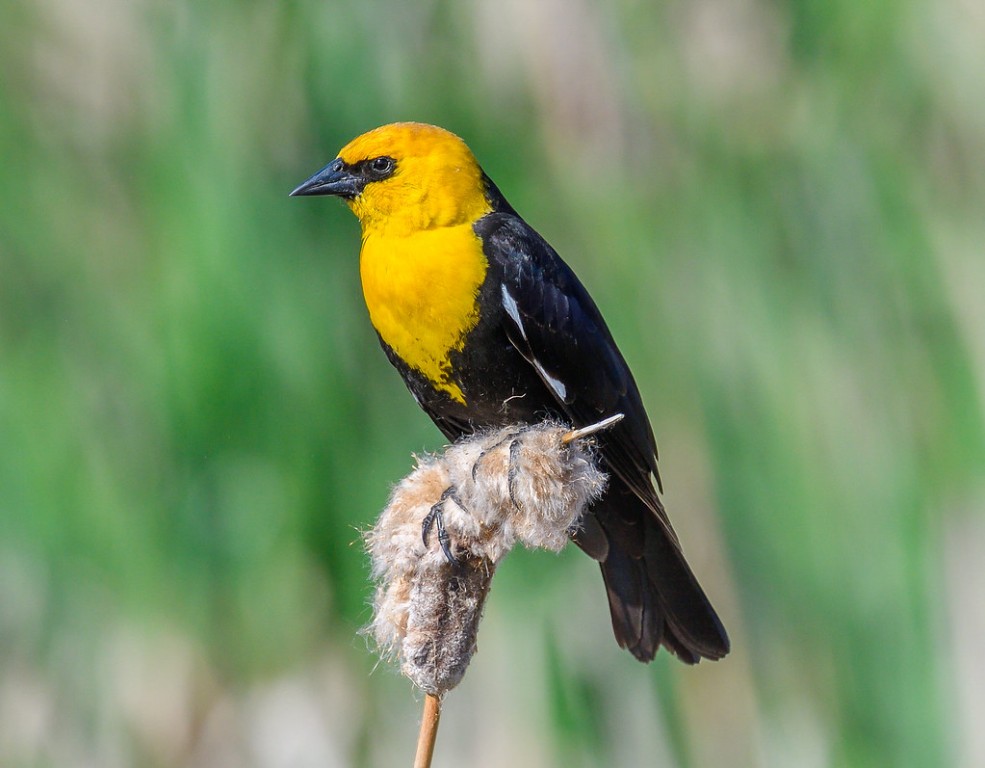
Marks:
<point>403,140</point>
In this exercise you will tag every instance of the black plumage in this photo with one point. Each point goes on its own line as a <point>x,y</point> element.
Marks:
<point>541,349</point>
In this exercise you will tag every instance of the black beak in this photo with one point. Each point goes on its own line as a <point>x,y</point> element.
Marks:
<point>334,179</point>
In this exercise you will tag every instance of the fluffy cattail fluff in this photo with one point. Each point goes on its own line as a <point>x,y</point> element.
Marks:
<point>520,484</point>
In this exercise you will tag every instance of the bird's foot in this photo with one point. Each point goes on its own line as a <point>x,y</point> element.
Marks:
<point>434,519</point>
<point>508,438</point>
<point>513,471</point>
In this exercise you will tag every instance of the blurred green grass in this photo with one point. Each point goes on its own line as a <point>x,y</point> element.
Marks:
<point>778,208</point>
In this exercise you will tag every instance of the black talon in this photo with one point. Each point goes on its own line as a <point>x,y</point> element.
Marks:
<point>482,454</point>
<point>433,514</point>
<point>444,541</point>
<point>475,465</point>
<point>428,521</point>
<point>434,518</point>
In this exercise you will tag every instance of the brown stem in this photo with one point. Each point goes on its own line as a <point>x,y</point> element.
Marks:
<point>429,731</point>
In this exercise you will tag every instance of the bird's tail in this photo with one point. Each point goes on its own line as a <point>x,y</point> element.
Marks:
<point>654,598</point>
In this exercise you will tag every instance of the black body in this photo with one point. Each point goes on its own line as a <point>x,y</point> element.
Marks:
<point>541,349</point>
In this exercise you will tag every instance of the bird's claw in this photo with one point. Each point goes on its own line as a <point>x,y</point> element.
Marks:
<point>434,519</point>
<point>486,451</point>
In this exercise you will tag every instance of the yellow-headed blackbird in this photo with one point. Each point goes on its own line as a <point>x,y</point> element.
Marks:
<point>489,327</point>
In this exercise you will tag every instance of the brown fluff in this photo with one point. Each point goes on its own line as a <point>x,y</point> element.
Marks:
<point>518,484</point>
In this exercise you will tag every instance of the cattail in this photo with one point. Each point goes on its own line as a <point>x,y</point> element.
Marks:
<point>449,524</point>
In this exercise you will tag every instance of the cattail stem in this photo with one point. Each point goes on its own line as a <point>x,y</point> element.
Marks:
<point>429,731</point>
<point>447,526</point>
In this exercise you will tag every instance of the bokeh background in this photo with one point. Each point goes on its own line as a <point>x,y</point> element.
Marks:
<point>780,207</point>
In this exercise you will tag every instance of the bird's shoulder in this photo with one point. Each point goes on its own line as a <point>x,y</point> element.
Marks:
<point>556,326</point>
<point>533,283</point>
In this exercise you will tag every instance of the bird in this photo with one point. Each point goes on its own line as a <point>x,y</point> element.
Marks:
<point>488,326</point>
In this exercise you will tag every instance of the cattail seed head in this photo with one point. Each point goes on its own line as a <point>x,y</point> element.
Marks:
<point>519,484</point>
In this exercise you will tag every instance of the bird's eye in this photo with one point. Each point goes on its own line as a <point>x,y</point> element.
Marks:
<point>381,166</point>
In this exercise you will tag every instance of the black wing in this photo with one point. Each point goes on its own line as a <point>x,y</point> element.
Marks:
<point>554,324</point>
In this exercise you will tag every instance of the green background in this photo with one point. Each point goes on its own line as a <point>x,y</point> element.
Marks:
<point>780,208</point>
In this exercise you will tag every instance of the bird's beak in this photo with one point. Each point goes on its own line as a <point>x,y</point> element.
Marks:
<point>334,179</point>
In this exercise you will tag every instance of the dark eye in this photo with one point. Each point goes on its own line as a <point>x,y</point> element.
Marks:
<point>381,166</point>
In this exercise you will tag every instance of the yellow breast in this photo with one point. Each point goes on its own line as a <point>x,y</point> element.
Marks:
<point>421,291</point>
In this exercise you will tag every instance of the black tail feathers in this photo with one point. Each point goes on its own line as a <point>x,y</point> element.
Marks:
<point>654,598</point>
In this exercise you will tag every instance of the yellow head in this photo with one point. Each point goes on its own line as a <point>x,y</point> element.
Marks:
<point>403,178</point>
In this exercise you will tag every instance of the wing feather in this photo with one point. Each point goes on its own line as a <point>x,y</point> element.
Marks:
<point>554,324</point>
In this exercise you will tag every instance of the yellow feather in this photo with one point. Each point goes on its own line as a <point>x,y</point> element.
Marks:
<point>421,263</point>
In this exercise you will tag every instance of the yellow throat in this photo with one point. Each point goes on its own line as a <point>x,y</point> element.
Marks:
<point>421,262</point>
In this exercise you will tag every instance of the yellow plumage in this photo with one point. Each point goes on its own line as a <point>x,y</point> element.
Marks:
<point>421,263</point>
<point>421,292</point>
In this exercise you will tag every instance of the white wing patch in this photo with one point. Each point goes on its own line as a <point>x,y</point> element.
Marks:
<point>509,304</point>
<point>559,389</point>
<point>557,386</point>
